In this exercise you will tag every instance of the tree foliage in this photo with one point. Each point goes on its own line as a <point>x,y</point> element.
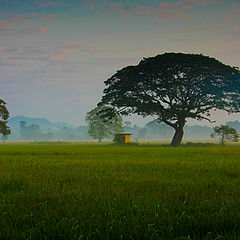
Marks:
<point>100,126</point>
<point>33,132</point>
<point>4,115</point>
<point>225,134</point>
<point>174,87</point>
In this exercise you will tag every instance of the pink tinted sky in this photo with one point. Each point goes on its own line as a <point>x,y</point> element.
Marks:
<point>55,55</point>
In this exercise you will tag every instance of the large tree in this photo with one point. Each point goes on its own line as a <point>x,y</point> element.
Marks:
<point>174,87</point>
<point>4,115</point>
<point>101,127</point>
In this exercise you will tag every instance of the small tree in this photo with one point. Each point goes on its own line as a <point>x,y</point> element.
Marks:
<point>128,124</point>
<point>4,115</point>
<point>225,134</point>
<point>101,127</point>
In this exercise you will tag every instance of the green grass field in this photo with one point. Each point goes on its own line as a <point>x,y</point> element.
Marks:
<point>80,191</point>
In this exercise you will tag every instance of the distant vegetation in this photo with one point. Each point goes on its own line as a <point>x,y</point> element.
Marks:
<point>152,131</point>
<point>33,132</point>
<point>40,129</point>
<point>119,192</point>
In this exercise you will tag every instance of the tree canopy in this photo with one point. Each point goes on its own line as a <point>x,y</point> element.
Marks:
<point>100,126</point>
<point>174,87</point>
<point>225,134</point>
<point>4,115</point>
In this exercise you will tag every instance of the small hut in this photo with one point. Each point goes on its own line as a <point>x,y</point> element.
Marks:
<point>122,138</point>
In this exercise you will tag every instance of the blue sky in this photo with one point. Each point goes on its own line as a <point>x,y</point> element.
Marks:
<point>55,55</point>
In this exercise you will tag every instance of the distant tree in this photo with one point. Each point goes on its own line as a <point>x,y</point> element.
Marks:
<point>101,127</point>
<point>159,130</point>
<point>225,134</point>
<point>127,124</point>
<point>23,127</point>
<point>174,87</point>
<point>47,136</point>
<point>31,132</point>
<point>141,134</point>
<point>4,115</point>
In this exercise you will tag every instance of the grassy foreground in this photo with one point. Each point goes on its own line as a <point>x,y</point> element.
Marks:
<point>119,192</point>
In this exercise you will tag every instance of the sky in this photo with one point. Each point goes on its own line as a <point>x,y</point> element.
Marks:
<point>55,55</point>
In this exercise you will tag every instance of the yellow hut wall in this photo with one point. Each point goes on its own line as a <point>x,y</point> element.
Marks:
<point>127,138</point>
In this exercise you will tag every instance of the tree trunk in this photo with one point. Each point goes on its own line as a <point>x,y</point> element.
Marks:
<point>222,139</point>
<point>177,138</point>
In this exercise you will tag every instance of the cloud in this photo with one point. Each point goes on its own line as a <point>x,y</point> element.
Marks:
<point>144,49</point>
<point>70,44</point>
<point>5,49</point>
<point>224,30</point>
<point>82,47</point>
<point>2,48</point>
<point>57,58</point>
<point>164,10</point>
<point>48,16</point>
<point>174,10</point>
<point>3,24</point>
<point>7,63</point>
<point>10,31</point>
<point>169,10</point>
<point>233,30</point>
<point>203,2</point>
<point>61,55</point>
<point>93,6</point>
<point>6,24</point>
<point>19,20</point>
<point>110,62</point>
<point>50,4</point>
<point>37,30</point>
<point>66,52</point>
<point>174,5</point>
<point>231,17</point>
<point>89,47</point>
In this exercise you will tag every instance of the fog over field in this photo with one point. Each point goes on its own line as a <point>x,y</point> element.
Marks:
<point>151,131</point>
